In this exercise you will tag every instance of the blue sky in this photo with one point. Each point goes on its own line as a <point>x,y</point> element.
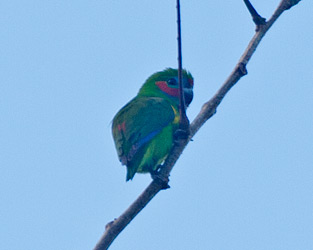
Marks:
<point>66,67</point>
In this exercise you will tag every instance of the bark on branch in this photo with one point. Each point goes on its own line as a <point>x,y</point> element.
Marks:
<point>113,228</point>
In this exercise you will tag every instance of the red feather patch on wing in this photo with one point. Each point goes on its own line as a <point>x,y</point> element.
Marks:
<point>121,127</point>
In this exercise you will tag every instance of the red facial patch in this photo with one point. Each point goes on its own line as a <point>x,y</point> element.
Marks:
<point>165,88</point>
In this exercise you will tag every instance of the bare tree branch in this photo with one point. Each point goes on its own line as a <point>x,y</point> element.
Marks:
<point>207,111</point>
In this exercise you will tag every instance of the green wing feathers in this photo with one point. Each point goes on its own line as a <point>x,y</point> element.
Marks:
<point>143,133</point>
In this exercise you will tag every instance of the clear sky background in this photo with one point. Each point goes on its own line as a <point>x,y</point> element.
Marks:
<point>66,68</point>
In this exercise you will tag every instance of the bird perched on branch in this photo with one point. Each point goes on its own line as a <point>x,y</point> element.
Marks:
<point>143,130</point>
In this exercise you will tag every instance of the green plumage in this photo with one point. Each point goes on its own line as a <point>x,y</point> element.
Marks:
<point>143,129</point>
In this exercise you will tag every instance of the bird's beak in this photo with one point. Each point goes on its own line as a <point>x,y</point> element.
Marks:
<point>188,95</point>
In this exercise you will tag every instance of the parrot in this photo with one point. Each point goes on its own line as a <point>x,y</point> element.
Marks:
<point>143,130</point>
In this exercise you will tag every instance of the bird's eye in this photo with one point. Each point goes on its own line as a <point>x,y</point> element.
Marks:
<point>172,81</point>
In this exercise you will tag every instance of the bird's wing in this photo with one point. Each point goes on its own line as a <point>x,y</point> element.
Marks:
<point>138,122</point>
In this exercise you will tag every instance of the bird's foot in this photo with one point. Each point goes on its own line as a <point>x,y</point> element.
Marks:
<point>181,134</point>
<point>160,179</point>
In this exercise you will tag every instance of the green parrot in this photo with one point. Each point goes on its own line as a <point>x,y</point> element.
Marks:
<point>143,130</point>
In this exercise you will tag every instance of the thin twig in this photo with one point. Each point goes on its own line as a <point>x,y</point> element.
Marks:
<point>208,110</point>
<point>257,19</point>
<point>183,121</point>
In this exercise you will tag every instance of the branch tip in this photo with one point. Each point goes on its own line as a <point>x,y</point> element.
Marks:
<point>290,3</point>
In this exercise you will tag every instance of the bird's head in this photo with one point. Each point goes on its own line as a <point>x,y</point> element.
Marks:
<point>165,83</point>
